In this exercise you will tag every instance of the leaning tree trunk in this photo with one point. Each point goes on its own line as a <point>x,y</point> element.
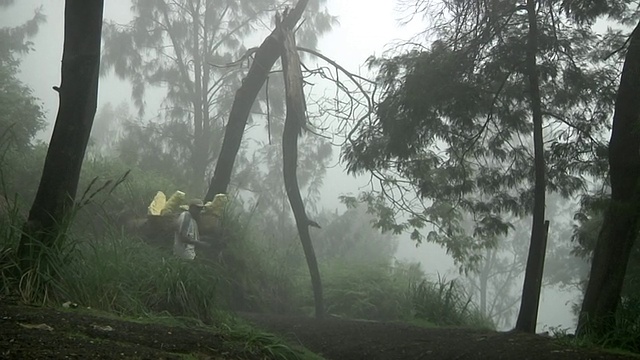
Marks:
<point>266,55</point>
<point>535,261</point>
<point>620,228</point>
<point>294,123</point>
<point>78,98</point>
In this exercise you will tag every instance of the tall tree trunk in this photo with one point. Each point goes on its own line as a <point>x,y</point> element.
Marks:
<point>294,123</point>
<point>535,261</point>
<point>265,57</point>
<point>207,126</point>
<point>78,98</point>
<point>620,228</point>
<point>483,279</point>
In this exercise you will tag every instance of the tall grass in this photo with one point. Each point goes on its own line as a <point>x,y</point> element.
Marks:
<point>626,333</point>
<point>365,291</point>
<point>260,273</point>
<point>124,275</point>
<point>261,280</point>
<point>445,302</point>
<point>112,271</point>
<point>115,273</point>
<point>396,291</point>
<point>9,239</point>
<point>121,274</point>
<point>96,265</point>
<point>35,280</point>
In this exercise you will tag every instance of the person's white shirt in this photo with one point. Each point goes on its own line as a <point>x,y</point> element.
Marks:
<point>188,227</point>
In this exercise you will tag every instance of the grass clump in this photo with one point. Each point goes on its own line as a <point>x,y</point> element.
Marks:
<point>373,291</point>
<point>32,272</point>
<point>126,276</point>
<point>123,275</point>
<point>264,345</point>
<point>445,303</point>
<point>624,336</point>
<point>396,291</point>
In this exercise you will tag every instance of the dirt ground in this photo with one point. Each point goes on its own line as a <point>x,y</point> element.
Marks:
<point>45,333</point>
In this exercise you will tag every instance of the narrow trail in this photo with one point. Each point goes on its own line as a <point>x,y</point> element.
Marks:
<point>28,332</point>
<point>340,339</point>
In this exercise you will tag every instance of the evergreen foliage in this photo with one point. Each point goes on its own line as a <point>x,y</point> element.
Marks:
<point>453,124</point>
<point>494,284</point>
<point>22,115</point>
<point>193,51</point>
<point>15,41</point>
<point>589,221</point>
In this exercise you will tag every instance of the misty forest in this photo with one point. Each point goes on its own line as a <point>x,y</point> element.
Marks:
<point>433,170</point>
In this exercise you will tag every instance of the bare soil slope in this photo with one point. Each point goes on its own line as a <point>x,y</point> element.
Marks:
<point>45,333</point>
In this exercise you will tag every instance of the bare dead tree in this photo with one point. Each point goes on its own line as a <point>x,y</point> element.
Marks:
<point>295,121</point>
<point>265,57</point>
<point>350,94</point>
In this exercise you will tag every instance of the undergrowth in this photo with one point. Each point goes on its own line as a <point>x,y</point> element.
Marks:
<point>123,275</point>
<point>624,337</point>
<point>397,291</point>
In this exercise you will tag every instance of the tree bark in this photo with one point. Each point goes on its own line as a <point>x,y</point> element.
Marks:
<point>483,279</point>
<point>265,57</point>
<point>78,99</point>
<point>199,155</point>
<point>620,228</point>
<point>294,122</point>
<point>528,313</point>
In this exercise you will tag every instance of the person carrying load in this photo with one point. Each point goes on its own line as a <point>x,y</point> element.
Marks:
<point>187,235</point>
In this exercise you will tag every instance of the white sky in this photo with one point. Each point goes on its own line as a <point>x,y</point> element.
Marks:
<point>366,26</point>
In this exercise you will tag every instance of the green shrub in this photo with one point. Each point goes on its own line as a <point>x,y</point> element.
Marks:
<point>115,272</point>
<point>365,291</point>
<point>398,291</point>
<point>10,274</point>
<point>120,274</point>
<point>124,275</point>
<point>444,303</point>
<point>260,275</point>
<point>626,333</point>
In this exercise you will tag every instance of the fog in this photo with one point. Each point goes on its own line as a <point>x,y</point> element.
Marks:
<point>360,34</point>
